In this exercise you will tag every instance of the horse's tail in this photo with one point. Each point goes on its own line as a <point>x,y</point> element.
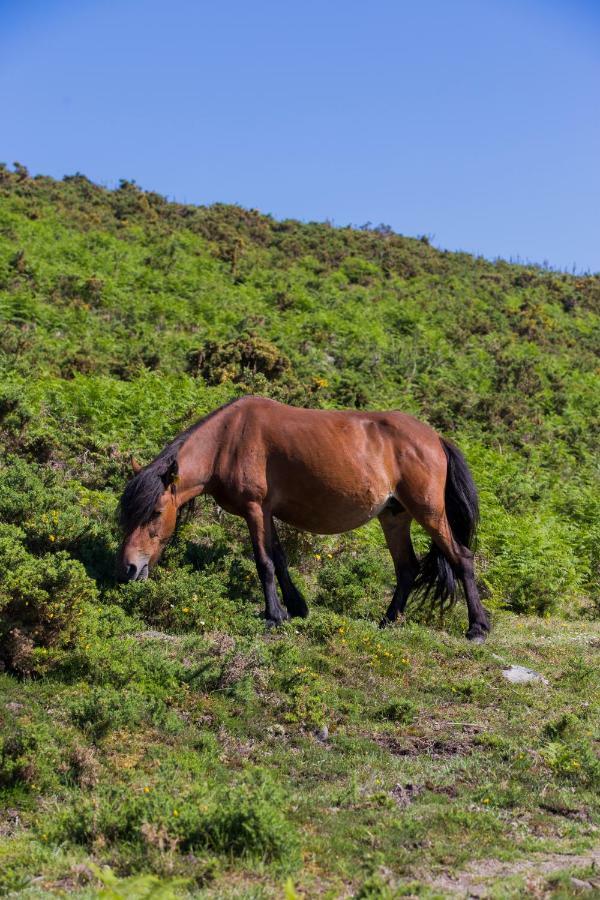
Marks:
<point>436,580</point>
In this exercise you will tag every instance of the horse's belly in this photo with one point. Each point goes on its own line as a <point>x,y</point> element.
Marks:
<point>329,489</point>
<point>330,514</point>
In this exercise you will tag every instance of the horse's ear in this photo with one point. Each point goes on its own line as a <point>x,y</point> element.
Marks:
<point>171,476</point>
<point>135,465</point>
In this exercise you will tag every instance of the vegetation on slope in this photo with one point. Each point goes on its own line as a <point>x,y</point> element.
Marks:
<point>155,727</point>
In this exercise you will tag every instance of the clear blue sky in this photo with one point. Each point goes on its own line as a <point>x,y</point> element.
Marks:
<point>474,121</point>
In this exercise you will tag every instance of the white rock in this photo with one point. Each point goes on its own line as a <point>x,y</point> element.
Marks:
<point>522,675</point>
<point>322,733</point>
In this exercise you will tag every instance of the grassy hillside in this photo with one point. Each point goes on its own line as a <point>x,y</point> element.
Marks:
<point>155,727</point>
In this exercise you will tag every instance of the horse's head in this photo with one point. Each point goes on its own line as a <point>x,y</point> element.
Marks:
<point>148,517</point>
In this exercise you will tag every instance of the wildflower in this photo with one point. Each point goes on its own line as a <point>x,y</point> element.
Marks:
<point>146,790</point>
<point>317,556</point>
<point>486,800</point>
<point>52,537</point>
<point>186,609</point>
<point>175,812</point>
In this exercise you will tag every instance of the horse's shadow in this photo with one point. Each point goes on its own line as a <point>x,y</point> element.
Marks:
<point>98,555</point>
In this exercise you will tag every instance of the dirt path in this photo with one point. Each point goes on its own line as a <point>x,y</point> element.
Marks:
<point>478,878</point>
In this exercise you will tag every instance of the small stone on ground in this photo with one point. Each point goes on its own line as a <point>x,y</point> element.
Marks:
<point>522,675</point>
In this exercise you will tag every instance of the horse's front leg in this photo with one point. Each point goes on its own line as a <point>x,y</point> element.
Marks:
<point>293,599</point>
<point>261,533</point>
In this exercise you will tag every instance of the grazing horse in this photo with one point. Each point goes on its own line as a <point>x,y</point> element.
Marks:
<point>324,471</point>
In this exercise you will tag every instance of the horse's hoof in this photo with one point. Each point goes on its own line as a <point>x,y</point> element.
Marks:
<point>298,612</point>
<point>397,620</point>
<point>476,635</point>
<point>276,621</point>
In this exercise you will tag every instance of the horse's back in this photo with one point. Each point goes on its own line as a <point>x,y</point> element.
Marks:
<point>267,410</point>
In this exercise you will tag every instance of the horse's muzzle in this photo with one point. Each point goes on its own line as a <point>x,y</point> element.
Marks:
<point>135,573</point>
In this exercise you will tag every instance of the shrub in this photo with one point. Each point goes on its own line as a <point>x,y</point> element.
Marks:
<point>182,599</point>
<point>104,708</point>
<point>245,819</point>
<point>359,271</point>
<point>570,752</point>
<point>400,710</point>
<point>234,360</point>
<point>531,564</point>
<point>35,755</point>
<point>42,600</point>
<point>575,761</point>
<point>305,700</point>
<point>351,585</point>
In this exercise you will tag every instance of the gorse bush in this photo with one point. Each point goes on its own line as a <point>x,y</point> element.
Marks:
<point>352,583</point>
<point>42,600</point>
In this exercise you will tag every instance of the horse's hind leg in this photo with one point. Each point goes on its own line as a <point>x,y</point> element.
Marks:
<point>479,621</point>
<point>461,561</point>
<point>293,599</point>
<point>259,524</point>
<point>396,528</point>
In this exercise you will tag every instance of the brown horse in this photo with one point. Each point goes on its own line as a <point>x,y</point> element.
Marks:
<point>323,471</point>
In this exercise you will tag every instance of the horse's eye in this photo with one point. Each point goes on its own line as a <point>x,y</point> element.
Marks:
<point>155,515</point>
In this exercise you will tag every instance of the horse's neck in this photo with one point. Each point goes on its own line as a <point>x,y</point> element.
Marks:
<point>197,459</point>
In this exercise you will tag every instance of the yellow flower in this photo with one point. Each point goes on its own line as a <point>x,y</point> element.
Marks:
<point>175,812</point>
<point>486,800</point>
<point>146,790</point>
<point>317,556</point>
<point>52,537</point>
<point>186,609</point>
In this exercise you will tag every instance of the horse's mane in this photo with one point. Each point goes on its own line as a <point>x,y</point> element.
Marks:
<point>141,492</point>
